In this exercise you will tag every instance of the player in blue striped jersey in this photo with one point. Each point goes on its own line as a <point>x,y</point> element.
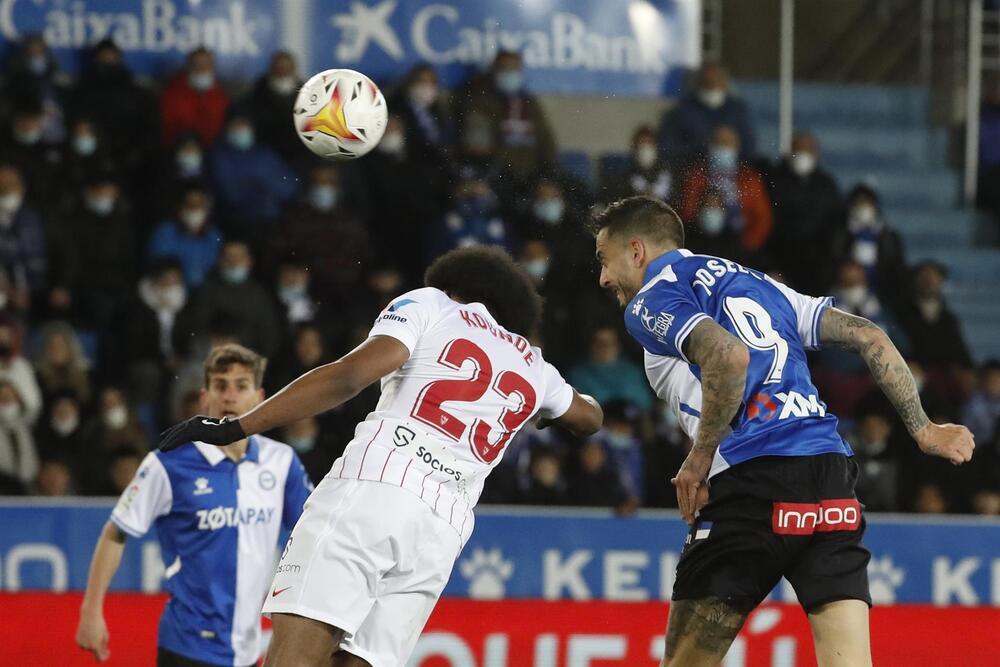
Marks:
<point>725,347</point>
<point>217,513</point>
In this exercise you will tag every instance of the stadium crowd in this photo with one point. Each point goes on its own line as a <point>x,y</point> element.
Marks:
<point>141,223</point>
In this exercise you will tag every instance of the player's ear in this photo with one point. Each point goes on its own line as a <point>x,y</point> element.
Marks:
<point>637,252</point>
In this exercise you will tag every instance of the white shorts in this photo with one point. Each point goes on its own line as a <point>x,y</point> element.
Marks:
<point>370,559</point>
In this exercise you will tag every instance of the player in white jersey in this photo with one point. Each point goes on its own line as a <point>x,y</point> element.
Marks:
<point>376,543</point>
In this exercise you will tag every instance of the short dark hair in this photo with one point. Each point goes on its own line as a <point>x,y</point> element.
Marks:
<point>222,357</point>
<point>643,216</point>
<point>488,275</point>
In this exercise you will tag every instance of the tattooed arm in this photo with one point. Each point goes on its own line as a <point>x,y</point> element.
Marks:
<point>723,362</point>
<point>893,376</point>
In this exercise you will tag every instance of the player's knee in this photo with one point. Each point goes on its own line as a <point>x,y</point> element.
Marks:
<point>701,630</point>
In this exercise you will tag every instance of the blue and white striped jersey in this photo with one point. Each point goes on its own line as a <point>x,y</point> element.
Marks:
<point>217,522</point>
<point>781,414</point>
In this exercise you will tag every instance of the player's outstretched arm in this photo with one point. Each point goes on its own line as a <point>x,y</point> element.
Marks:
<point>584,416</point>
<point>950,441</point>
<point>723,360</point>
<point>92,631</point>
<point>319,390</point>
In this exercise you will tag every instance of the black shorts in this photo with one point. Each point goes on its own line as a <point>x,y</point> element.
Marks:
<point>165,658</point>
<point>795,517</point>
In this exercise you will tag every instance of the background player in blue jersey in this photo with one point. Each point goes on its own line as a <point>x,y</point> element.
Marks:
<point>725,347</point>
<point>218,512</point>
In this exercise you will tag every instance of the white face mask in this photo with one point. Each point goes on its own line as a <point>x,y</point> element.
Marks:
<point>645,155</point>
<point>172,297</point>
<point>712,98</point>
<point>116,417</point>
<point>392,143</point>
<point>712,220</point>
<point>11,202</point>
<point>9,412</point>
<point>852,297</point>
<point>283,85</point>
<point>64,427</point>
<point>423,94</point>
<point>202,80</point>
<point>193,218</point>
<point>85,144</point>
<point>864,214</point>
<point>803,164</point>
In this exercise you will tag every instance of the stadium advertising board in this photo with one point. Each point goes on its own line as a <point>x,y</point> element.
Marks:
<point>530,633</point>
<point>591,47</point>
<point>553,555</point>
<point>572,46</point>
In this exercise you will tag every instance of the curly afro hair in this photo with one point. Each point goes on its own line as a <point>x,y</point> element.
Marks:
<point>490,276</point>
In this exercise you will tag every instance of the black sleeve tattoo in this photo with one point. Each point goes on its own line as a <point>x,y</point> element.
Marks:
<point>887,366</point>
<point>709,623</point>
<point>723,380</point>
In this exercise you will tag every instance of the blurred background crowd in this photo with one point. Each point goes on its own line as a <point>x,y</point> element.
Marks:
<point>143,222</point>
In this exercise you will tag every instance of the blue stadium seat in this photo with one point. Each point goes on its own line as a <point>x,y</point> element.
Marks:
<point>577,164</point>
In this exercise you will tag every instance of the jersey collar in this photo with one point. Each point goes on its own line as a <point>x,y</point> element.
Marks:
<point>654,268</point>
<point>214,455</point>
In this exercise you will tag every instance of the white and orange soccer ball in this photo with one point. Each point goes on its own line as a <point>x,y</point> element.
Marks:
<point>340,114</point>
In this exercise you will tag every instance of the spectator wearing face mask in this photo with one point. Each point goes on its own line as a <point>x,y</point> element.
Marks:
<point>878,460</point>
<point>320,231</point>
<point>981,413</point>
<point>18,455</point>
<point>115,427</point>
<point>59,435</point>
<point>86,153</point>
<point>270,104</point>
<point>745,198</point>
<point>866,239</point>
<point>610,373</point>
<point>144,348</point>
<point>552,217</point>
<point>715,229</point>
<point>194,101</point>
<point>60,362</point>
<point>474,218</point>
<point>807,208</point>
<point>624,451</point>
<point>687,128</point>
<point>34,73</point>
<point>430,131</point>
<point>311,439</point>
<point>298,302</point>
<point>647,173</point>
<point>935,332</point>
<point>402,188</point>
<point>251,181</point>
<point>39,163</point>
<point>232,296</point>
<point>95,254</point>
<point>189,236</point>
<point>516,127</point>
<point>125,112</point>
<point>22,239</point>
<point>17,370</point>
<point>184,167</point>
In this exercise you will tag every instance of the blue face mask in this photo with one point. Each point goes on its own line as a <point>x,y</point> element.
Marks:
<point>722,157</point>
<point>189,163</point>
<point>509,81</point>
<point>476,207</point>
<point>236,275</point>
<point>241,138</point>
<point>549,210</point>
<point>619,440</point>
<point>301,445</point>
<point>537,268</point>
<point>323,197</point>
<point>291,293</point>
<point>38,64</point>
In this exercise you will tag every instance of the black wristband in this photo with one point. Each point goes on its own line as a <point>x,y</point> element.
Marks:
<point>232,430</point>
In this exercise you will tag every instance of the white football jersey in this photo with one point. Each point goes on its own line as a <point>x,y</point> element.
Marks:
<point>447,414</point>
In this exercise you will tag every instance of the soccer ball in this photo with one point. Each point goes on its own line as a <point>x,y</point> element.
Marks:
<point>340,114</point>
